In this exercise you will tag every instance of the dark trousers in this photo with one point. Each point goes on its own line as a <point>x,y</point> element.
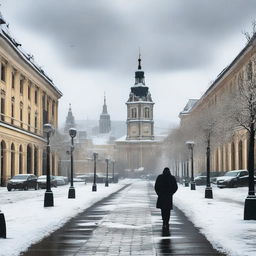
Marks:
<point>166,212</point>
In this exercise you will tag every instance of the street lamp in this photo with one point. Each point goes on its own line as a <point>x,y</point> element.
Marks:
<point>113,171</point>
<point>72,192</point>
<point>94,186</point>
<point>48,196</point>
<point>190,147</point>
<point>208,189</point>
<point>106,182</point>
<point>186,173</point>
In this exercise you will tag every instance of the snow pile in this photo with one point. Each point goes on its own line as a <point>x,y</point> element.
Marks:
<point>28,221</point>
<point>220,219</point>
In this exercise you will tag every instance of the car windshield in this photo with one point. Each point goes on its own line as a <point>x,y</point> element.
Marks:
<point>233,174</point>
<point>20,177</point>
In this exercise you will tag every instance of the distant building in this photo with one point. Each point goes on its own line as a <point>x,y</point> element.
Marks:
<point>139,148</point>
<point>70,120</point>
<point>104,122</point>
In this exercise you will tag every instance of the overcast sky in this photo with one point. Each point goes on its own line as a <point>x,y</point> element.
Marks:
<point>89,47</point>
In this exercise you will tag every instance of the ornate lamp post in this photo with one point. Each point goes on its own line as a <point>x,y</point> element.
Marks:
<point>48,196</point>
<point>94,186</point>
<point>186,173</point>
<point>113,171</point>
<point>72,192</point>
<point>106,182</point>
<point>208,189</point>
<point>191,147</point>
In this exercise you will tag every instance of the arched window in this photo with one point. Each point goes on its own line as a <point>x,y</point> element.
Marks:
<point>134,112</point>
<point>240,154</point>
<point>20,160</point>
<point>36,161</point>
<point>12,160</point>
<point>3,163</point>
<point>29,159</point>
<point>146,112</point>
<point>233,157</point>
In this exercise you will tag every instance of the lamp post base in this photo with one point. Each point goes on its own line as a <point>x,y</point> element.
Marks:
<point>208,193</point>
<point>250,208</point>
<point>2,226</point>
<point>192,185</point>
<point>71,192</point>
<point>106,183</point>
<point>48,199</point>
<point>94,187</point>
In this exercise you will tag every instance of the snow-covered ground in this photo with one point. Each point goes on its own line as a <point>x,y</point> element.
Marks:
<point>220,219</point>
<point>28,221</point>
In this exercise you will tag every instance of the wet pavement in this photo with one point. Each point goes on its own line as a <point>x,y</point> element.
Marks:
<point>126,223</point>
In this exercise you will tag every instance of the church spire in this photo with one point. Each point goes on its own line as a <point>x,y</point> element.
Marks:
<point>139,74</point>
<point>105,109</point>
<point>70,120</point>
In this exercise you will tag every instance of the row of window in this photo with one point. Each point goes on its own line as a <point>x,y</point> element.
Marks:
<point>146,112</point>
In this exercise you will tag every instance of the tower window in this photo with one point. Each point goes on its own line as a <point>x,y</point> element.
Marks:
<point>146,112</point>
<point>2,109</point>
<point>134,112</point>
<point>29,92</point>
<point>12,110</point>
<point>36,96</point>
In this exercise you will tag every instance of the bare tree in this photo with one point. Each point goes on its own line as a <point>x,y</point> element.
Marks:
<point>242,115</point>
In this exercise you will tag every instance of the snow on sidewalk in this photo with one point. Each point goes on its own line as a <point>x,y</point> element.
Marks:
<point>28,221</point>
<point>218,219</point>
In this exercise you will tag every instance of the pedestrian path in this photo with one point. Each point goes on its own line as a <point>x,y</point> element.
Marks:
<point>126,223</point>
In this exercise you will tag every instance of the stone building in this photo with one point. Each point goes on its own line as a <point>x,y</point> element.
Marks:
<point>137,150</point>
<point>104,122</point>
<point>28,100</point>
<point>233,154</point>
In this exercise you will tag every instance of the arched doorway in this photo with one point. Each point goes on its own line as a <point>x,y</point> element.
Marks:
<point>12,160</point>
<point>240,154</point>
<point>233,157</point>
<point>36,161</point>
<point>20,159</point>
<point>3,163</point>
<point>29,158</point>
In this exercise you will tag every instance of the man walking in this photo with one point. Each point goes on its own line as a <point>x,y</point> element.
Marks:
<point>165,187</point>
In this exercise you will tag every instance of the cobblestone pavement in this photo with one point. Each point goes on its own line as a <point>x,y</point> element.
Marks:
<point>126,223</point>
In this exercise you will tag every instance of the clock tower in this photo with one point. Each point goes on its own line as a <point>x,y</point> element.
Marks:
<point>140,123</point>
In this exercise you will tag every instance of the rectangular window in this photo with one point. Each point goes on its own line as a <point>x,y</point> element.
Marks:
<point>12,120</point>
<point>21,118</point>
<point>21,86</point>
<point>35,124</point>
<point>53,108</point>
<point>2,109</point>
<point>29,92</point>
<point>3,72</point>
<point>29,120</point>
<point>35,96</point>
<point>13,80</point>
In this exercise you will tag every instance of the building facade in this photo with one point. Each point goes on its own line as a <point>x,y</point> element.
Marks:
<point>29,99</point>
<point>231,155</point>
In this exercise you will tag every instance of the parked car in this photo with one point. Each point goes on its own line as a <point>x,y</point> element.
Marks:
<point>41,181</point>
<point>233,179</point>
<point>22,181</point>
<point>200,180</point>
<point>60,180</point>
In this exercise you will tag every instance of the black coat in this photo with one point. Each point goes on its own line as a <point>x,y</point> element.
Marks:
<point>165,187</point>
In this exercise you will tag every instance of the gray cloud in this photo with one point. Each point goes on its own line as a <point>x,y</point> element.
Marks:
<point>106,34</point>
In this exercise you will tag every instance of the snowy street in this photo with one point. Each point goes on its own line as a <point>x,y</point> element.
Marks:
<point>28,221</point>
<point>220,219</point>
